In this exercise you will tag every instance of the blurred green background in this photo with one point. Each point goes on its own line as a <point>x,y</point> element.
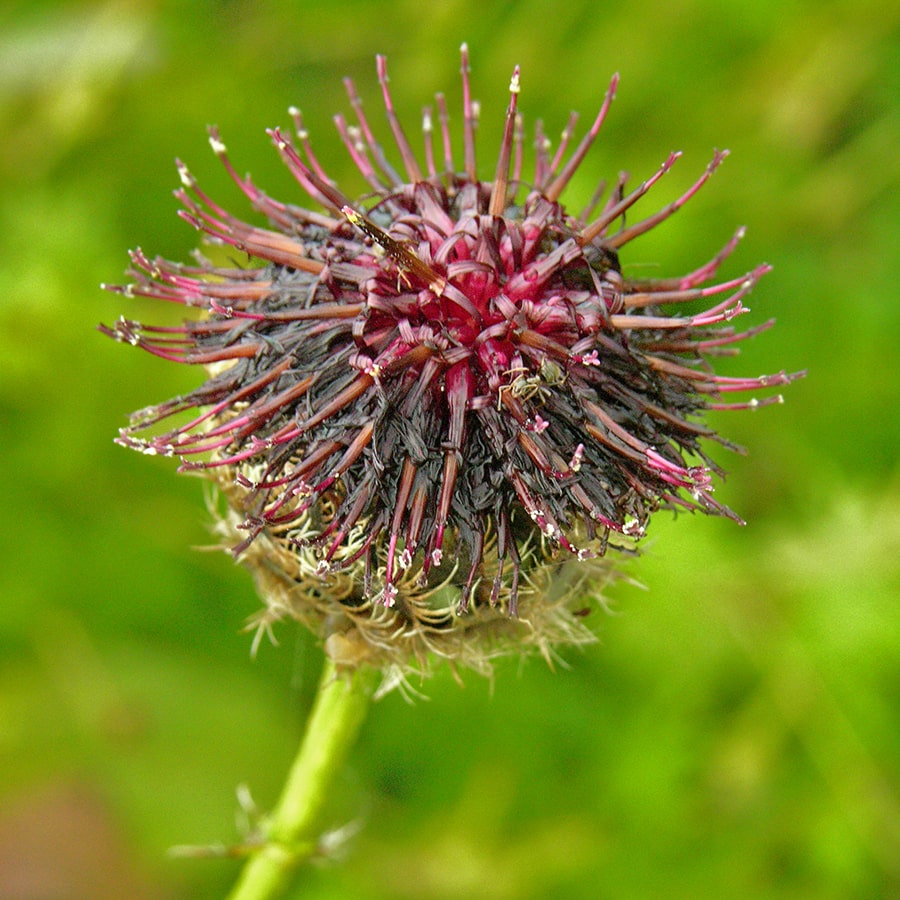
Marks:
<point>736,732</point>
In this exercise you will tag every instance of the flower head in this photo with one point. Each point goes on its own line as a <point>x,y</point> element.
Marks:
<point>426,406</point>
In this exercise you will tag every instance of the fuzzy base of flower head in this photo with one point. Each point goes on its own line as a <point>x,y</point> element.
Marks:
<point>431,409</point>
<point>424,625</point>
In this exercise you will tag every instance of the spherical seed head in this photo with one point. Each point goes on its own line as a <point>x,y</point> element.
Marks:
<point>430,410</point>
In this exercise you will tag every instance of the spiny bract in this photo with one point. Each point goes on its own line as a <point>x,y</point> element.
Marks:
<point>426,407</point>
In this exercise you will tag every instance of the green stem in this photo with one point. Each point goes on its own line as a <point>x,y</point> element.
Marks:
<point>292,834</point>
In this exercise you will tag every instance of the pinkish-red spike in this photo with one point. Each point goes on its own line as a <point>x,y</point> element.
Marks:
<point>564,139</point>
<point>375,148</point>
<point>444,120</point>
<point>303,137</point>
<point>628,234</point>
<point>611,213</point>
<point>428,140</point>
<point>559,183</point>
<point>658,298</point>
<point>325,192</point>
<point>470,117</point>
<point>541,154</point>
<point>406,153</point>
<point>500,187</point>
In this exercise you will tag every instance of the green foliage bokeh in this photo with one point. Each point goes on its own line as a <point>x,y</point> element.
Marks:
<point>735,732</point>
